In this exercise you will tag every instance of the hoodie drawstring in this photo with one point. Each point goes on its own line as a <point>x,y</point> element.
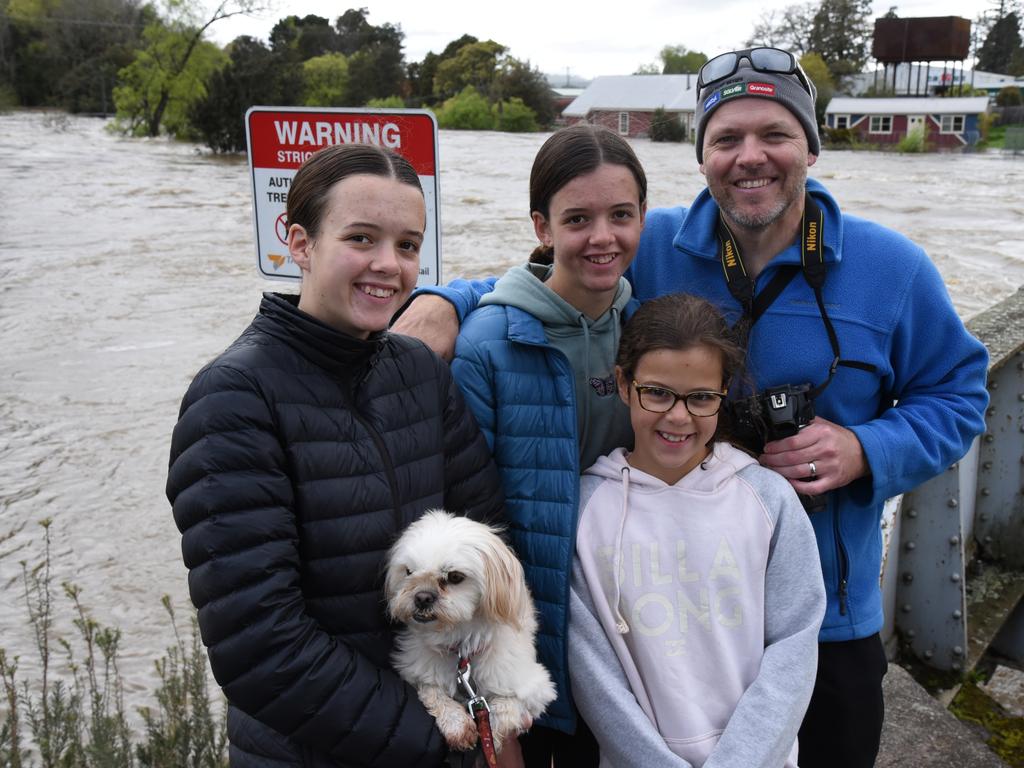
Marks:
<point>620,621</point>
<point>585,421</point>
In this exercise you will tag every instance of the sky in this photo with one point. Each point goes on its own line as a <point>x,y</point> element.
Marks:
<point>586,38</point>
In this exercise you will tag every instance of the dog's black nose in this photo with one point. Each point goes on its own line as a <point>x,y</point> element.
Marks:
<point>424,599</point>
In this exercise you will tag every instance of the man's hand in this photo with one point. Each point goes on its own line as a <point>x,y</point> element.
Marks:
<point>511,755</point>
<point>835,451</point>
<point>432,320</point>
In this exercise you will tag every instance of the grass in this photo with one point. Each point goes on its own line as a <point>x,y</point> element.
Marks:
<point>72,715</point>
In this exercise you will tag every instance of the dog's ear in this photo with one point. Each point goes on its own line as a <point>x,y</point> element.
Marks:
<point>393,573</point>
<point>505,597</point>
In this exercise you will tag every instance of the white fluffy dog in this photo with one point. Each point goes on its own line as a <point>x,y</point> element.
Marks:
<point>460,592</point>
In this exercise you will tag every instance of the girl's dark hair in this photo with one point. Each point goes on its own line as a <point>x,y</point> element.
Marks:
<point>307,195</point>
<point>576,151</point>
<point>681,321</point>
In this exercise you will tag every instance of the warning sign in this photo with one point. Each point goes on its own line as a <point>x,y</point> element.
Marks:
<point>281,138</point>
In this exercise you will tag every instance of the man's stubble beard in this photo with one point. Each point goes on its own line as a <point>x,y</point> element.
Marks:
<point>755,221</point>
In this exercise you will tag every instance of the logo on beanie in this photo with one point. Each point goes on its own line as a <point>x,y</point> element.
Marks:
<point>732,90</point>
<point>711,100</point>
<point>761,89</point>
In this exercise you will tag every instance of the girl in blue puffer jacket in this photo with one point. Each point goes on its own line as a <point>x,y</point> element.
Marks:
<point>536,364</point>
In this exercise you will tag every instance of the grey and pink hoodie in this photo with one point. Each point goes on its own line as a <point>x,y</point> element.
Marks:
<point>695,613</point>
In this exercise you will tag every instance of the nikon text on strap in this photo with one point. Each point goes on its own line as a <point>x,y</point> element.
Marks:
<point>812,264</point>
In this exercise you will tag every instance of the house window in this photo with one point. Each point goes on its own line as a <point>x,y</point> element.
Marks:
<point>881,124</point>
<point>624,123</point>
<point>842,121</point>
<point>952,124</point>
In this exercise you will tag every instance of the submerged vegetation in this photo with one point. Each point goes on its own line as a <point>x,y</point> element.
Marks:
<point>71,714</point>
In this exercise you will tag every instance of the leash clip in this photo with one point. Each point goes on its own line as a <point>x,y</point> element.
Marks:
<point>476,702</point>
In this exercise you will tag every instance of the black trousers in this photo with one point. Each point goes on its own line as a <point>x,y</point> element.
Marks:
<point>843,724</point>
<point>542,745</point>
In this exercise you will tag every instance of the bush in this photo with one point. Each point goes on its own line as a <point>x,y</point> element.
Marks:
<point>325,80</point>
<point>1010,96</point>
<point>78,720</point>
<point>913,141</point>
<point>391,102</point>
<point>840,137</point>
<point>513,116</point>
<point>468,111</point>
<point>666,127</point>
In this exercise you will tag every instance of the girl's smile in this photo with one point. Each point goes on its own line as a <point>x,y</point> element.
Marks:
<point>670,444</point>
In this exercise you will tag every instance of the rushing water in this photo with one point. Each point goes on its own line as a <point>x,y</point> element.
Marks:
<point>127,264</point>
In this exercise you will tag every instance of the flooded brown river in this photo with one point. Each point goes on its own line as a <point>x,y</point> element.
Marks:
<point>126,264</point>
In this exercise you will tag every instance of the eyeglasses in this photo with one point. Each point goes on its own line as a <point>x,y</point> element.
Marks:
<point>662,400</point>
<point>773,60</point>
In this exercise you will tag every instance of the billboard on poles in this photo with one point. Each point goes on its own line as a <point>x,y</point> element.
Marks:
<point>279,139</point>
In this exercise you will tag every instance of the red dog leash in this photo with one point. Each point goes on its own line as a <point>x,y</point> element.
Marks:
<point>479,711</point>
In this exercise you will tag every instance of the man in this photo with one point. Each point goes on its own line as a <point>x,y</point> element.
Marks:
<point>867,333</point>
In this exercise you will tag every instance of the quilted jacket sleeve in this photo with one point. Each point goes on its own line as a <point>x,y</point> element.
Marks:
<point>472,482</point>
<point>232,500</point>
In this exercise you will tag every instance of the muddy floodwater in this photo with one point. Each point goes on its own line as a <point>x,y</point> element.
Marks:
<point>126,264</point>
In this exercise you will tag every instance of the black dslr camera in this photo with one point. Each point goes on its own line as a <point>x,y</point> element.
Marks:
<point>774,414</point>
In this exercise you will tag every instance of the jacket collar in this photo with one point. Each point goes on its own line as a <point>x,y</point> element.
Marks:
<point>698,237</point>
<point>337,353</point>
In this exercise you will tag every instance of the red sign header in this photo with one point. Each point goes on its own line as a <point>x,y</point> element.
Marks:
<point>284,140</point>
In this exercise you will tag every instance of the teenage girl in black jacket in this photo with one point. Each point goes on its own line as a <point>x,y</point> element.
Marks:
<point>300,453</point>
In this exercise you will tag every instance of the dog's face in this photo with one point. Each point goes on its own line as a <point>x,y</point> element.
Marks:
<point>445,571</point>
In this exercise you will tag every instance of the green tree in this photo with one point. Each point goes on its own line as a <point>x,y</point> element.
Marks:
<point>306,37</point>
<point>164,71</point>
<point>1002,42</point>
<point>841,34</point>
<point>421,74</point>
<point>815,68</point>
<point>325,80</point>
<point>677,60</point>
<point>376,64</point>
<point>474,65</point>
<point>648,69</point>
<point>513,116</point>
<point>67,52</point>
<point>252,76</point>
<point>466,111</point>
<point>165,79</point>
<point>354,30</point>
<point>518,80</point>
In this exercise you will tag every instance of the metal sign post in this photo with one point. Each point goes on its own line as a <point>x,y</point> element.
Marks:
<point>280,139</point>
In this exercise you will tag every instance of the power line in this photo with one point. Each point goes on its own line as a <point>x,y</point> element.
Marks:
<point>71,21</point>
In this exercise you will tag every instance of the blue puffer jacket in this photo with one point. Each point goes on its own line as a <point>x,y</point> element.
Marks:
<point>523,394</point>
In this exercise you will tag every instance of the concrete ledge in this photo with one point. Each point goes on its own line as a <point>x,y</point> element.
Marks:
<point>920,733</point>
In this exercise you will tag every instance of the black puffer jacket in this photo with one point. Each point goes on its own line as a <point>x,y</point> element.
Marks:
<point>299,455</point>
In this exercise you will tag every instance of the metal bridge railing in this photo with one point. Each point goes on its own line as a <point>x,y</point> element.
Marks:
<point>953,573</point>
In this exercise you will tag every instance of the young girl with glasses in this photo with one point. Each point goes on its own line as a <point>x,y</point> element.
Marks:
<point>696,596</point>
